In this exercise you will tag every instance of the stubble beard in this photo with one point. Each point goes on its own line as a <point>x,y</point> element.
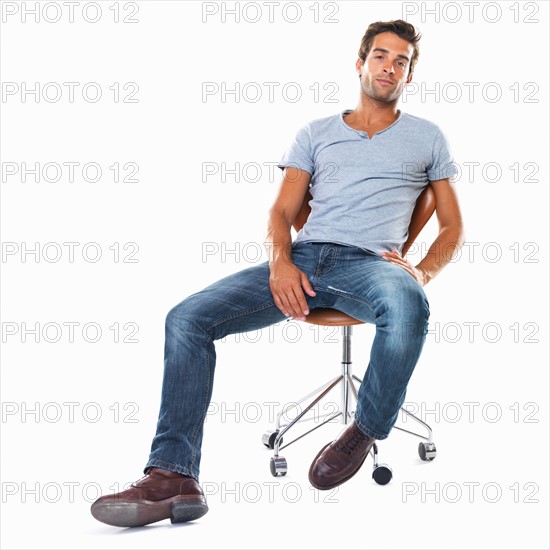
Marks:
<point>370,91</point>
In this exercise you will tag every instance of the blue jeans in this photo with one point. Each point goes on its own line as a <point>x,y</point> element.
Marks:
<point>359,283</point>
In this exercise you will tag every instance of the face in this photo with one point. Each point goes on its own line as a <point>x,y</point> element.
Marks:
<point>386,68</point>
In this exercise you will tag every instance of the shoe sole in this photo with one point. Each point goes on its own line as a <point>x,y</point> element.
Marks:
<point>333,485</point>
<point>143,512</point>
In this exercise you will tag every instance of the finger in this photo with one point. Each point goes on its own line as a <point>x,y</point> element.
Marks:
<point>398,260</point>
<point>306,285</point>
<point>393,255</point>
<point>294,302</point>
<point>402,265</point>
<point>392,252</point>
<point>393,260</point>
<point>279,304</point>
<point>302,302</point>
<point>291,304</point>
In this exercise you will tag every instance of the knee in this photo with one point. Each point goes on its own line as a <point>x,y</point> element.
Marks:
<point>406,303</point>
<point>417,302</point>
<point>185,316</point>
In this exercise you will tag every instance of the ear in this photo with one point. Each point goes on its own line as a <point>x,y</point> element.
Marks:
<point>359,65</point>
<point>409,78</point>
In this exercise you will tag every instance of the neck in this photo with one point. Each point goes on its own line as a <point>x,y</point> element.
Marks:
<point>369,110</point>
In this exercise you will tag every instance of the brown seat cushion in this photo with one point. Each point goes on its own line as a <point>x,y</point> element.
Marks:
<point>325,316</point>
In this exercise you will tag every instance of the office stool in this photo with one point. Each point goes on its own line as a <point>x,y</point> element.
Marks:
<point>273,439</point>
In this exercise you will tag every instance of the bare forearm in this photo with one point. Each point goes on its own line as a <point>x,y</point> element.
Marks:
<point>286,282</point>
<point>441,252</point>
<point>279,241</point>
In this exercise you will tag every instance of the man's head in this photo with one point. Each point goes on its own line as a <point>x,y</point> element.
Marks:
<point>387,56</point>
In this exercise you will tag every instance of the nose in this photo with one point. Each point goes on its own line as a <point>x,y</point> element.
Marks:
<point>389,68</point>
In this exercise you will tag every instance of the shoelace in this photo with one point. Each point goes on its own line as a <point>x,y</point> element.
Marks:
<point>137,483</point>
<point>350,444</point>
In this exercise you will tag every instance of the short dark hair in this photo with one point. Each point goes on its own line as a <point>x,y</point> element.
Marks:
<point>401,28</point>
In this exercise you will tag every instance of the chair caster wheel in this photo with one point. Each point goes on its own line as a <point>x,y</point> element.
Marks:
<point>278,466</point>
<point>382,474</point>
<point>268,439</point>
<point>426,451</point>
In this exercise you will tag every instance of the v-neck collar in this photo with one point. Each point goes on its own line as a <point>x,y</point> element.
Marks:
<point>364,134</point>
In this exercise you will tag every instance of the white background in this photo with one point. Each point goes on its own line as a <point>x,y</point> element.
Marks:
<point>499,282</point>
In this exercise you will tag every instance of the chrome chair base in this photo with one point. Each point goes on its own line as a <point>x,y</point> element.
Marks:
<point>273,439</point>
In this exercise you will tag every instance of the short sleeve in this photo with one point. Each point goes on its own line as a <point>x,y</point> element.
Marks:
<point>443,165</point>
<point>299,154</point>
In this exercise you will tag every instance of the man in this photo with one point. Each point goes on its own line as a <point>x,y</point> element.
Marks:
<point>366,169</point>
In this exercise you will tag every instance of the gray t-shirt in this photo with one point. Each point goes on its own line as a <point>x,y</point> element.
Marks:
<point>364,190</point>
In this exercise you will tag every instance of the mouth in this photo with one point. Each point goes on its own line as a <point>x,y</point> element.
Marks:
<point>384,81</point>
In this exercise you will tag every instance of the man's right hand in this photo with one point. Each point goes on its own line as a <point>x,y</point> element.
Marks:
<point>287,284</point>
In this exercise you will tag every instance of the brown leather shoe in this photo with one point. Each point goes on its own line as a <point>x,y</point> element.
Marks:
<point>340,460</point>
<point>159,495</point>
